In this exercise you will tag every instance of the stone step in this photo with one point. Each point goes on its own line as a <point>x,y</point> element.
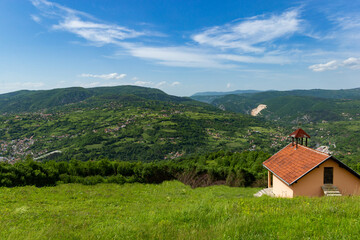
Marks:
<point>265,191</point>
<point>331,190</point>
<point>334,195</point>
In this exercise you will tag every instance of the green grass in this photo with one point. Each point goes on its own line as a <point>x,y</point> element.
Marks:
<point>170,210</point>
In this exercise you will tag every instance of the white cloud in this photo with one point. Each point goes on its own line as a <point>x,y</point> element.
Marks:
<point>83,25</point>
<point>90,85</point>
<point>14,86</point>
<point>348,22</point>
<point>177,56</point>
<point>352,63</point>
<point>35,18</point>
<point>96,32</point>
<point>332,65</point>
<point>135,78</point>
<point>269,59</point>
<point>105,76</point>
<point>346,32</point>
<point>250,35</point>
<point>228,85</point>
<point>166,84</point>
<point>247,34</point>
<point>161,84</point>
<point>195,58</point>
<point>144,83</point>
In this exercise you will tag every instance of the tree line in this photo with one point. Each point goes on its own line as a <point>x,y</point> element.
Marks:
<point>233,169</point>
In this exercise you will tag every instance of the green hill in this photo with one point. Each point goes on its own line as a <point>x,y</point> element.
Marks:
<point>30,101</point>
<point>297,105</point>
<point>144,124</point>
<point>122,123</point>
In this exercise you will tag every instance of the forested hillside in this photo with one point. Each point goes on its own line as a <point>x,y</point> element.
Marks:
<point>298,105</point>
<point>331,117</point>
<point>123,123</point>
<point>130,123</point>
<point>30,101</point>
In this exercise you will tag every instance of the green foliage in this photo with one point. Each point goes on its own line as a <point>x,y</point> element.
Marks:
<point>242,168</point>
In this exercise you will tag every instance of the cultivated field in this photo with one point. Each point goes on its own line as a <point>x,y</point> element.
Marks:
<point>170,210</point>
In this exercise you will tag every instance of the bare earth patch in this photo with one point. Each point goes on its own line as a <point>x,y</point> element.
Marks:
<point>258,109</point>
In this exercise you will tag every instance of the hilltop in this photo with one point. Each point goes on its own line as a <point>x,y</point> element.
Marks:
<point>31,101</point>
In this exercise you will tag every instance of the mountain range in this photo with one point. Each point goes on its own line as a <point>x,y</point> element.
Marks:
<point>146,124</point>
<point>310,105</point>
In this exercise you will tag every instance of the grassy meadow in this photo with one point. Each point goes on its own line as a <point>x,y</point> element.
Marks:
<point>170,210</point>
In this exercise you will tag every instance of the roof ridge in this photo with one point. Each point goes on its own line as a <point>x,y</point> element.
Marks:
<point>315,150</point>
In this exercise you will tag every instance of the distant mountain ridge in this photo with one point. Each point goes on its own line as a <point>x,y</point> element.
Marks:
<point>314,104</point>
<point>224,93</point>
<point>30,100</point>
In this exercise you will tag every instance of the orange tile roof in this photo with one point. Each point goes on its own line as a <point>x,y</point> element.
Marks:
<point>291,163</point>
<point>299,133</point>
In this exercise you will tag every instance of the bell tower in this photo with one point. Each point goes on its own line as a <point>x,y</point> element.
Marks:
<point>298,136</point>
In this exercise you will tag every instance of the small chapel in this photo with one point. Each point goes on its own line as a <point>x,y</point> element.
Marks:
<point>297,170</point>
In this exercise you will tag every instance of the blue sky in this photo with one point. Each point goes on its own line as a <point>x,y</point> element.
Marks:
<point>180,46</point>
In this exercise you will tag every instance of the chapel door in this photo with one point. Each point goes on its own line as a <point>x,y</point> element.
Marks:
<point>328,175</point>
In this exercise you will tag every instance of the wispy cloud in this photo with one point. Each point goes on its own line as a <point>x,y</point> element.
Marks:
<point>352,63</point>
<point>348,22</point>
<point>96,32</point>
<point>84,25</point>
<point>268,59</point>
<point>332,65</point>
<point>177,56</point>
<point>12,86</point>
<point>35,18</point>
<point>346,30</point>
<point>104,76</point>
<point>248,34</point>
<point>197,58</point>
<point>115,76</point>
<point>162,84</point>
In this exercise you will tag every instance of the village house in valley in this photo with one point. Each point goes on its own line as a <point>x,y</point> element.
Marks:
<point>298,170</point>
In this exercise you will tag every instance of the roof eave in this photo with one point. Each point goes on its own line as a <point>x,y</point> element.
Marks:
<point>276,175</point>
<point>309,171</point>
<point>336,160</point>
<point>346,167</point>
